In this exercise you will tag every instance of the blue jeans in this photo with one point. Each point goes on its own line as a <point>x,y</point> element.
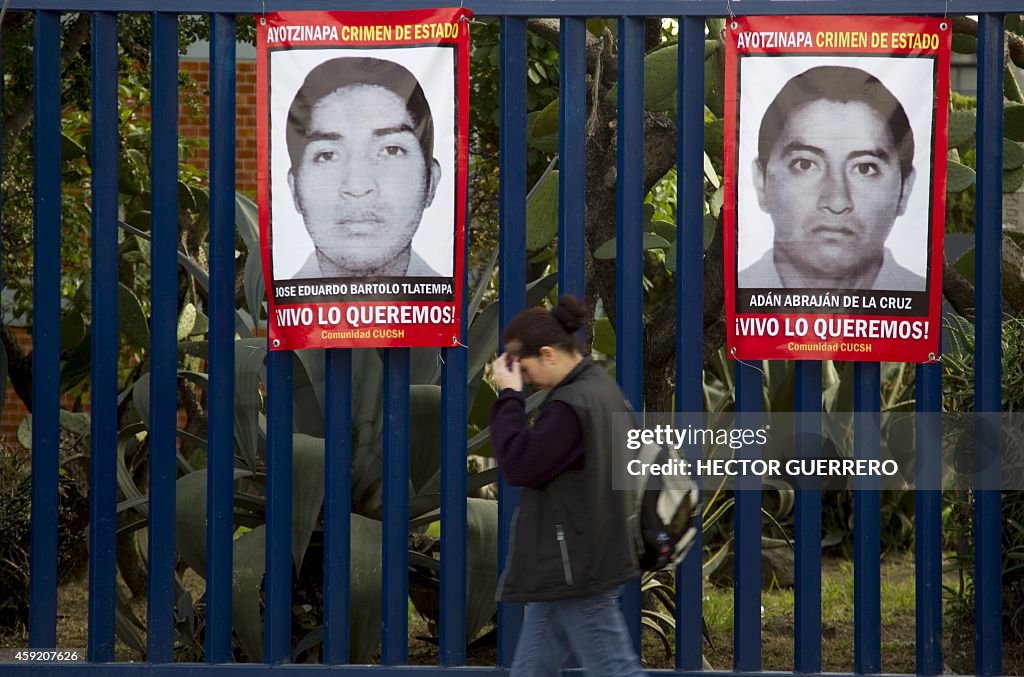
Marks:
<point>590,627</point>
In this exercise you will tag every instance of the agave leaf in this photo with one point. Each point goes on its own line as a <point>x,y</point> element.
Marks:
<point>126,624</point>
<point>248,564</point>
<point>307,491</point>
<point>252,283</point>
<point>712,565</point>
<point>481,564</point>
<point>425,442</point>
<point>3,376</point>
<point>308,393</point>
<point>424,366</point>
<point>140,398</point>
<point>249,366</point>
<point>364,594</point>
<point>247,223</point>
<point>190,517</point>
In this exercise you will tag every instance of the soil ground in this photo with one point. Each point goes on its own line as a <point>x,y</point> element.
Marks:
<point>898,627</point>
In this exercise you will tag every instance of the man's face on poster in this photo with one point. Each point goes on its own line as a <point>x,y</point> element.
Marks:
<point>833,187</point>
<point>362,182</point>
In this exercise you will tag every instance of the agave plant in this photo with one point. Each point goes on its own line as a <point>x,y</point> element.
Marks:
<point>308,462</point>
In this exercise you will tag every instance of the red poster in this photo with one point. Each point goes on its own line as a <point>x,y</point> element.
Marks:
<point>835,175</point>
<point>362,126</point>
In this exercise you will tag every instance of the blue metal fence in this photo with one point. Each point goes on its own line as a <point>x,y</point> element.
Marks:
<point>689,322</point>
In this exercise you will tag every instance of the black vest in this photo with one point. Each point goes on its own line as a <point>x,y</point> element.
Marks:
<point>572,537</point>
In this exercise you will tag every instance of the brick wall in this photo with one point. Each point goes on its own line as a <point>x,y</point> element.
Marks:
<point>189,125</point>
<point>245,121</point>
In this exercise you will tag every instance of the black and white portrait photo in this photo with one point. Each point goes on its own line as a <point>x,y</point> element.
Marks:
<point>834,172</point>
<point>362,163</point>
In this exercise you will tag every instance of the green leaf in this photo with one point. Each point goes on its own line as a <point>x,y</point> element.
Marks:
<point>604,336</point>
<point>709,230</point>
<point>1013,121</point>
<point>249,359</point>
<point>964,44</point>
<point>71,149</point>
<point>132,319</point>
<point>3,376</point>
<point>128,627</point>
<point>72,329</point>
<point>307,491</point>
<point>1013,180</point>
<point>481,564</point>
<point>962,126</point>
<point>958,177</point>
<point>308,393</point>
<point>1013,156</point>
<point>364,594</point>
<point>546,122</point>
<point>249,564</point>
<point>651,241</point>
<point>140,398</point>
<point>542,212</point>
<point>190,520</point>
<point>247,222</point>
<point>664,229</point>
<point>709,172</point>
<point>425,444</point>
<point>717,200</point>
<point>190,516</point>
<point>255,291</point>
<point>186,321</point>
<point>77,366</point>
<point>660,82</point>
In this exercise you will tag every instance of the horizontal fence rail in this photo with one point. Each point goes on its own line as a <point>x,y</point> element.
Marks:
<point>669,8</point>
<point>280,373</point>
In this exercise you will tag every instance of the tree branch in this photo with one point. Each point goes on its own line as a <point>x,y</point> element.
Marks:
<point>551,30</point>
<point>76,37</point>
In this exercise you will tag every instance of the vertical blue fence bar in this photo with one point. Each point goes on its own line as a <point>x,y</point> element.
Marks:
<point>395,569</point>
<point>629,243</point>
<point>807,564</point>
<point>867,580</point>
<point>454,414</point>
<point>928,519</point>
<point>747,563</point>
<point>988,336</point>
<point>46,226</point>
<point>454,411</point>
<point>337,503</point>
<point>103,370</point>
<point>690,310</point>
<point>512,268</point>
<point>163,379</point>
<point>572,159</point>
<point>221,444</point>
<point>277,618</point>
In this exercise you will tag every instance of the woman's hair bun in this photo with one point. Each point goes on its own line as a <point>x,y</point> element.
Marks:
<point>571,313</point>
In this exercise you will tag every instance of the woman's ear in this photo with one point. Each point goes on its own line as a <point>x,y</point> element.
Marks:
<point>547,354</point>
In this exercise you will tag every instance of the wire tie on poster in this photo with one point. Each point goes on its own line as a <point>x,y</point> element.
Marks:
<point>277,343</point>
<point>934,359</point>
<point>764,378</point>
<point>457,342</point>
<point>263,12</point>
<point>732,14</point>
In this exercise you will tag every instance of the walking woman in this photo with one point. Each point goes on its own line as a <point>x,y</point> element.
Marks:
<point>571,549</point>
